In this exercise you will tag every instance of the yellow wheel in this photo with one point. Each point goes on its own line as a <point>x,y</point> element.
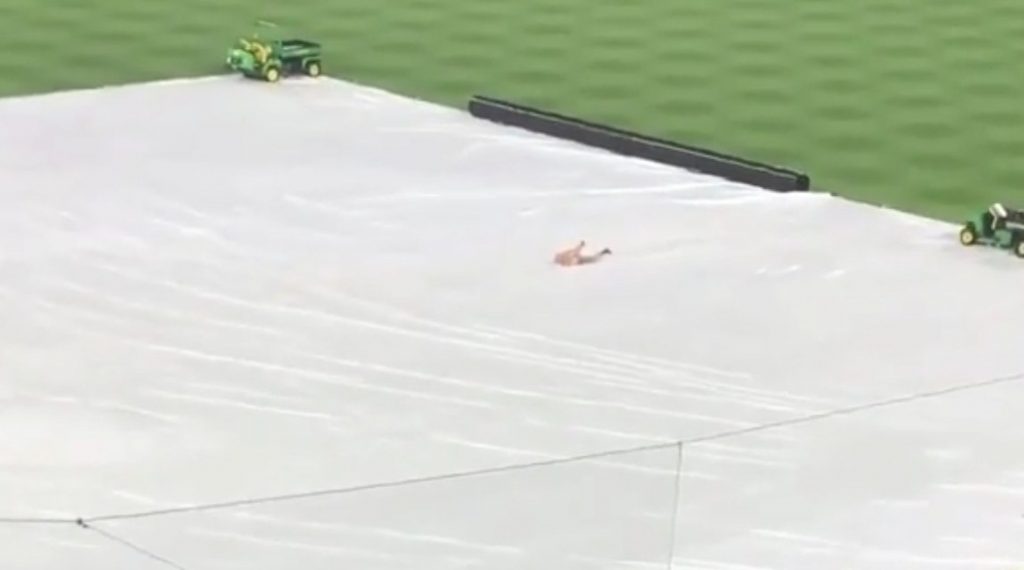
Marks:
<point>313,69</point>
<point>272,74</point>
<point>967,235</point>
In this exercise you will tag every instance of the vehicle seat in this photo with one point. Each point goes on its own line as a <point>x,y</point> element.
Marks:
<point>987,220</point>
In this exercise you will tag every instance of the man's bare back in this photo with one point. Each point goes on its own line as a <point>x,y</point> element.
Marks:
<point>574,256</point>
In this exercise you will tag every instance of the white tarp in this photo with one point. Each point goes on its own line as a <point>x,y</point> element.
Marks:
<point>221,290</point>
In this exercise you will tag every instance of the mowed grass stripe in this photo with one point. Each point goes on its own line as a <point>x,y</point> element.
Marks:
<point>911,103</point>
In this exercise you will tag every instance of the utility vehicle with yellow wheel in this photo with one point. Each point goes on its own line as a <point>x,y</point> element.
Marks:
<point>998,226</point>
<point>272,59</point>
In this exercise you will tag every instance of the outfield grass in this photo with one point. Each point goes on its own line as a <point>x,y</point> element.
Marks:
<point>912,103</point>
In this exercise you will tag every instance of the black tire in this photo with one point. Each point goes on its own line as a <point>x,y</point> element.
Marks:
<point>1018,246</point>
<point>314,68</point>
<point>272,73</point>
<point>968,235</point>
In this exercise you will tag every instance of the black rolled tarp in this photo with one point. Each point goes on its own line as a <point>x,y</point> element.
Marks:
<point>641,146</point>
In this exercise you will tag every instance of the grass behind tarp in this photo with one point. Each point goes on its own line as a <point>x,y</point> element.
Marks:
<point>918,104</point>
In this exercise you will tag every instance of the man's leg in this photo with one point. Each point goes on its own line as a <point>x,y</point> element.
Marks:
<point>596,257</point>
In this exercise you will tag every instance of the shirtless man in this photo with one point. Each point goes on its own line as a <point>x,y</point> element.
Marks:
<point>574,256</point>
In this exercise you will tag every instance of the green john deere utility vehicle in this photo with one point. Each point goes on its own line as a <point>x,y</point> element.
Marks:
<point>998,226</point>
<point>271,59</point>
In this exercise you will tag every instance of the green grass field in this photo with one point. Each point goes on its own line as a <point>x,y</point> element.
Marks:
<point>911,103</point>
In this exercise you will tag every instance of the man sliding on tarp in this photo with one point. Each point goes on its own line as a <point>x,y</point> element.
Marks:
<point>575,256</point>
